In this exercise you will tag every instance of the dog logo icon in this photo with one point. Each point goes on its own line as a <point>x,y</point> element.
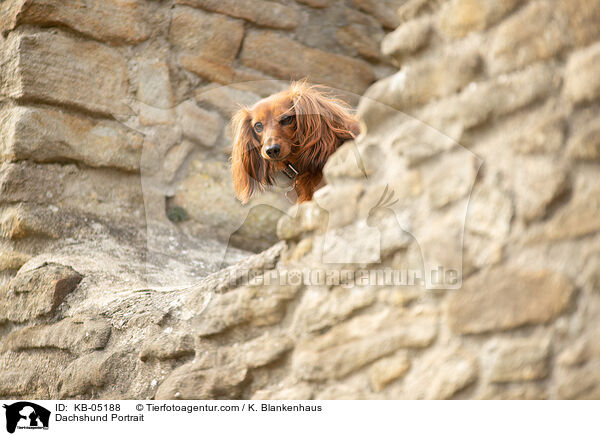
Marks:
<point>26,415</point>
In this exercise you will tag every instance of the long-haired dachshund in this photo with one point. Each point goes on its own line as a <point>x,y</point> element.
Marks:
<point>293,133</point>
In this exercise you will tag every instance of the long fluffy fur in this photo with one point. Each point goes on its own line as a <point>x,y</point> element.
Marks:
<point>250,173</point>
<point>323,123</point>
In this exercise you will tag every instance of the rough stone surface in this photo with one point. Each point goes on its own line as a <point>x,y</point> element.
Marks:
<point>225,99</point>
<point>199,125</point>
<point>459,17</point>
<point>58,69</point>
<point>540,182</point>
<point>384,11</point>
<point>481,102</point>
<point>349,346</point>
<point>205,194</point>
<point>521,360</point>
<point>387,370</point>
<point>584,145</point>
<point>168,346</point>
<point>48,135</point>
<point>114,21</point>
<point>581,77</point>
<point>263,13</point>
<point>154,84</point>
<point>32,294</point>
<point>527,297</point>
<point>580,383</point>
<point>407,38</point>
<point>321,308</point>
<point>13,260</point>
<point>360,36</point>
<point>285,58</point>
<point>459,371</point>
<point>73,335</point>
<point>244,305</point>
<point>579,217</point>
<point>419,82</point>
<point>452,254</point>
<point>218,43</point>
<point>101,192</point>
<point>540,31</point>
<point>545,133</point>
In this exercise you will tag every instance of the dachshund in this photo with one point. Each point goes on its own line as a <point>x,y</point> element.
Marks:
<point>292,133</point>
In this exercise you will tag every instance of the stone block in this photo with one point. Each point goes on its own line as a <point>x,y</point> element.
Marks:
<point>317,3</point>
<point>321,308</point>
<point>427,79</point>
<point>542,30</point>
<point>12,260</point>
<point>192,382</point>
<point>407,38</point>
<point>262,13</point>
<point>484,101</point>
<point>225,99</point>
<point>287,59</point>
<point>168,346</point>
<point>581,216</point>
<point>35,293</point>
<point>520,360</point>
<point>99,192</point>
<point>584,145</point>
<point>199,125</point>
<point>154,84</point>
<point>254,305</point>
<point>53,135</point>
<point>386,370</point>
<point>360,39</point>
<point>383,10</point>
<point>113,21</point>
<point>582,75</point>
<point>545,133</point>
<point>217,43</point>
<point>428,379</point>
<point>504,298</point>
<point>61,70</point>
<point>78,336</point>
<point>349,346</point>
<point>538,182</point>
<point>581,383</point>
<point>460,17</point>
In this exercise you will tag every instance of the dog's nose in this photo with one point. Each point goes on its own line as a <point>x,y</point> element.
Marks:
<point>273,151</point>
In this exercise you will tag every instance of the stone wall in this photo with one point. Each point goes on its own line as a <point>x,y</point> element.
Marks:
<point>480,155</point>
<point>114,112</point>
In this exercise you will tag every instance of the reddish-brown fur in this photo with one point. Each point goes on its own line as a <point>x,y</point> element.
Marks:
<point>306,124</point>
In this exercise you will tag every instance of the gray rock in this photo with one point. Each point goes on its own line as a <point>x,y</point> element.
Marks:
<point>74,335</point>
<point>35,293</point>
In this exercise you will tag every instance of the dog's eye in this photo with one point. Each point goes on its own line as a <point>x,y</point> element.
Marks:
<point>258,127</point>
<point>287,120</point>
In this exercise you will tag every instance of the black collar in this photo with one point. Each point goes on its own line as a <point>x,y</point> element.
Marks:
<point>290,171</point>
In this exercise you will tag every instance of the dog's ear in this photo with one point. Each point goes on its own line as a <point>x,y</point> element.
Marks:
<point>323,123</point>
<point>249,171</point>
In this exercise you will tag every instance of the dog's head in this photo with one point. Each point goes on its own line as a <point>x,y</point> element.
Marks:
<point>301,126</point>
